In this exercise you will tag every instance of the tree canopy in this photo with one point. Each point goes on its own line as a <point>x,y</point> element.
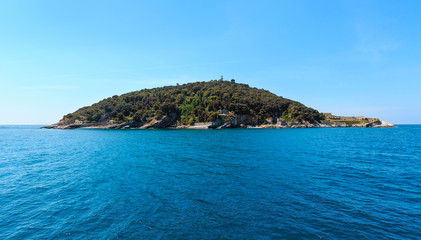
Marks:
<point>195,102</point>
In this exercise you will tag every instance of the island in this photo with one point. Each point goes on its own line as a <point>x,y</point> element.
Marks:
<point>214,104</point>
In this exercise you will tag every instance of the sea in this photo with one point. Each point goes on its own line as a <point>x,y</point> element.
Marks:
<point>320,183</point>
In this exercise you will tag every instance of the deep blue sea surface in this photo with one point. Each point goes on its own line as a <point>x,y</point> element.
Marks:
<point>333,183</point>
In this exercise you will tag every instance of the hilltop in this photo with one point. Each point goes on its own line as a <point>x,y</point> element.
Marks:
<point>212,104</point>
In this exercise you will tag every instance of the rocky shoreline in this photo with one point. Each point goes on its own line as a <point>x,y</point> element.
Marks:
<point>163,124</point>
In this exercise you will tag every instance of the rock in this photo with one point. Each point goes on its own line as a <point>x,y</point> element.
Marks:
<point>201,125</point>
<point>293,124</point>
<point>52,126</point>
<point>339,124</point>
<point>216,124</point>
<point>165,122</point>
<point>325,124</point>
<point>359,125</point>
<point>380,123</point>
<point>281,123</point>
<point>226,125</point>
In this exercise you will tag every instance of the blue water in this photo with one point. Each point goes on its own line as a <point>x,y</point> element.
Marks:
<point>334,183</point>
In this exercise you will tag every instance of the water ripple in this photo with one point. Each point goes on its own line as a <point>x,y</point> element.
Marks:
<point>229,184</point>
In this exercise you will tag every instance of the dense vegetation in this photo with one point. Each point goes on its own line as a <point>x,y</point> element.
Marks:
<point>194,102</point>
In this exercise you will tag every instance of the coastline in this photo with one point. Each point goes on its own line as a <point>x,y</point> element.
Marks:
<point>214,125</point>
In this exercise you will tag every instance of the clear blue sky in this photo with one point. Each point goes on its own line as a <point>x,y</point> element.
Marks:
<point>345,57</point>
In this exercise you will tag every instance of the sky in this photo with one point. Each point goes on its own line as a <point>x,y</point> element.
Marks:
<point>350,58</point>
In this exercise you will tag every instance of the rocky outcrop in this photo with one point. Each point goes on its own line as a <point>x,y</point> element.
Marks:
<point>380,123</point>
<point>165,122</point>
